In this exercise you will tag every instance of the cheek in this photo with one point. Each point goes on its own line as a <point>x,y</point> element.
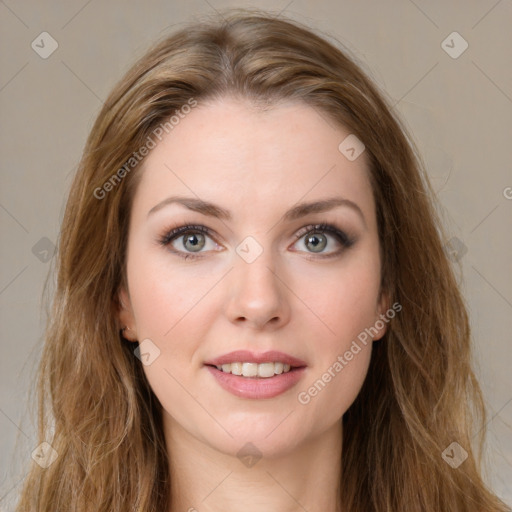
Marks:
<point>352,306</point>
<point>331,391</point>
<point>164,299</point>
<point>343,346</point>
<point>347,307</point>
<point>344,299</point>
<point>174,309</point>
<point>170,313</point>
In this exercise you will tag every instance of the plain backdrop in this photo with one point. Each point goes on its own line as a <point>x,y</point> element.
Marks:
<point>456,101</point>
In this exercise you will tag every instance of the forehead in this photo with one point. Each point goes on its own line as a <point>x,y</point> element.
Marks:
<point>234,154</point>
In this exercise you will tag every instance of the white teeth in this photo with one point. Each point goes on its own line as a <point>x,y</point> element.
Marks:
<point>263,370</point>
<point>236,368</point>
<point>250,369</point>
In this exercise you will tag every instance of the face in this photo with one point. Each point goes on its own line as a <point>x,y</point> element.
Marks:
<point>253,271</point>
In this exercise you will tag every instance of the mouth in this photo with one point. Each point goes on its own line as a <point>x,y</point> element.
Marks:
<point>250,385</point>
<point>253,370</point>
<point>244,363</point>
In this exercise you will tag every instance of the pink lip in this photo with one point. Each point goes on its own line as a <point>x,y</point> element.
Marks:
<point>245,356</point>
<point>254,387</point>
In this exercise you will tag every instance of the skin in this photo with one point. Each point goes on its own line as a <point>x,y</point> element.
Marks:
<point>256,164</point>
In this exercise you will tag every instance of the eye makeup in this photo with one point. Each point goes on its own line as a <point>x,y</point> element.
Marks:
<point>174,233</point>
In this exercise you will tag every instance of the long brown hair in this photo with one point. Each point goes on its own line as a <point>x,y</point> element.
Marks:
<point>96,408</point>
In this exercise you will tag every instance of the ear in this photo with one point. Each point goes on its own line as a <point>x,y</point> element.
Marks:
<point>381,317</point>
<point>126,316</point>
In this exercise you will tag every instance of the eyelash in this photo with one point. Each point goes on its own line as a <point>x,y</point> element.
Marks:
<point>174,233</point>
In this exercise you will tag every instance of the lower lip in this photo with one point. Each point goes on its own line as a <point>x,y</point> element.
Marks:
<point>258,388</point>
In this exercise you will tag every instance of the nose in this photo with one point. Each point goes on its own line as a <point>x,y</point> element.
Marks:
<point>258,295</point>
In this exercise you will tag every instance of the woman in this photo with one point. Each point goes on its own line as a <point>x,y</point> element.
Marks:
<point>254,309</point>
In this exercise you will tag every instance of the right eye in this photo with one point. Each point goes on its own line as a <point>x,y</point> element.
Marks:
<point>193,239</point>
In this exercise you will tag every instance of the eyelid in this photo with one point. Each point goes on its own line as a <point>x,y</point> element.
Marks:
<point>172,233</point>
<point>324,228</point>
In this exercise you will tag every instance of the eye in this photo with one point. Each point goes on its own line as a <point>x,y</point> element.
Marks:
<point>193,238</point>
<point>188,241</point>
<point>316,239</point>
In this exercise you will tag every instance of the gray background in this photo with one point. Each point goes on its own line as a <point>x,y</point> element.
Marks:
<point>459,111</point>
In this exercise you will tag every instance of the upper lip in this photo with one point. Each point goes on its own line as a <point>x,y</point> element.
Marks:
<point>246,356</point>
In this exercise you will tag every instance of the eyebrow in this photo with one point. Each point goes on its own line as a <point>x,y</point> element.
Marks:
<point>298,211</point>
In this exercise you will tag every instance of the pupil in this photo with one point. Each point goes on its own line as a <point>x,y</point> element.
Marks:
<point>194,240</point>
<point>317,243</point>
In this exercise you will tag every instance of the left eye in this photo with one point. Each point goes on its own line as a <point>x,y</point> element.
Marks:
<point>315,238</point>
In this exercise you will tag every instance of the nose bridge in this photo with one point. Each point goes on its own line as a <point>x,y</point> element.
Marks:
<point>257,292</point>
